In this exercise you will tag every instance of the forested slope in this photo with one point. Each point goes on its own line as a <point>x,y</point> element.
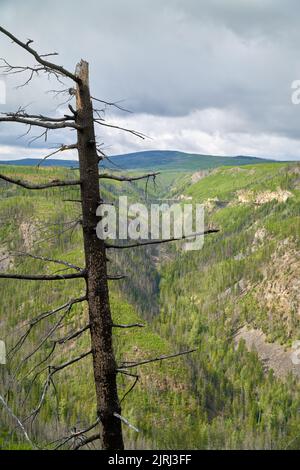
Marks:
<point>222,396</point>
<point>44,224</point>
<point>246,275</point>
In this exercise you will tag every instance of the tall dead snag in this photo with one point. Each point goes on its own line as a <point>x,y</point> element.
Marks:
<point>83,120</point>
<point>105,368</point>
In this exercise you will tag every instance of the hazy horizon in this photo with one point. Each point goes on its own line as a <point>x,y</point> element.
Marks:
<point>75,158</point>
<point>199,77</point>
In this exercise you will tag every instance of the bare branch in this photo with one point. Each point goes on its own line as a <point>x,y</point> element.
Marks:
<point>86,441</point>
<point>130,365</point>
<point>49,66</point>
<point>136,377</point>
<point>113,104</point>
<point>125,421</point>
<point>124,129</point>
<point>36,411</point>
<point>70,226</point>
<point>41,317</point>
<point>133,325</point>
<point>63,148</point>
<point>71,336</point>
<point>53,370</point>
<point>78,201</point>
<point>51,260</point>
<point>75,434</point>
<point>41,277</point>
<point>21,113</point>
<point>20,425</point>
<point>51,124</point>
<point>69,363</point>
<point>52,330</point>
<point>50,184</point>
<point>116,278</point>
<point>127,178</point>
<point>8,69</point>
<point>42,361</point>
<point>158,242</point>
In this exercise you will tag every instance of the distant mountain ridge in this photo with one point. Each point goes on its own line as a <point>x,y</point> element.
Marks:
<point>158,159</point>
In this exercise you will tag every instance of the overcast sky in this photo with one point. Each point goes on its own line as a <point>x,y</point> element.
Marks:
<point>202,76</point>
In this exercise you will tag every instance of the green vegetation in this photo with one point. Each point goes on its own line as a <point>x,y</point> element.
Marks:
<point>220,397</point>
<point>158,159</point>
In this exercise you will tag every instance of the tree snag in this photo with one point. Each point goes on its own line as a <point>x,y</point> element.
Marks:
<point>83,121</point>
<point>105,368</point>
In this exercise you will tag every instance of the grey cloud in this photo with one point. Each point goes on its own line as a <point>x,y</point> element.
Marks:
<point>173,57</point>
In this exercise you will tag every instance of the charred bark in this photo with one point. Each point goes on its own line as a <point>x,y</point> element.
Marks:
<point>104,363</point>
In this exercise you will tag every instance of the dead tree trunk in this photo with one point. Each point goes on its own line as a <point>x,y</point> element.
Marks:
<point>105,369</point>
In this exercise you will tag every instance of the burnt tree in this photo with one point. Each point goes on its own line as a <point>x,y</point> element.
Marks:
<point>105,368</point>
<point>83,120</point>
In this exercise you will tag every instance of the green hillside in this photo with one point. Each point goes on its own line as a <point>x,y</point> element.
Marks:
<point>247,276</point>
<point>179,161</point>
<point>159,159</point>
<point>45,225</point>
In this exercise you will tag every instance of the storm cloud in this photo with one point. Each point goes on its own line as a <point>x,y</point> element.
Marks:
<point>208,76</point>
